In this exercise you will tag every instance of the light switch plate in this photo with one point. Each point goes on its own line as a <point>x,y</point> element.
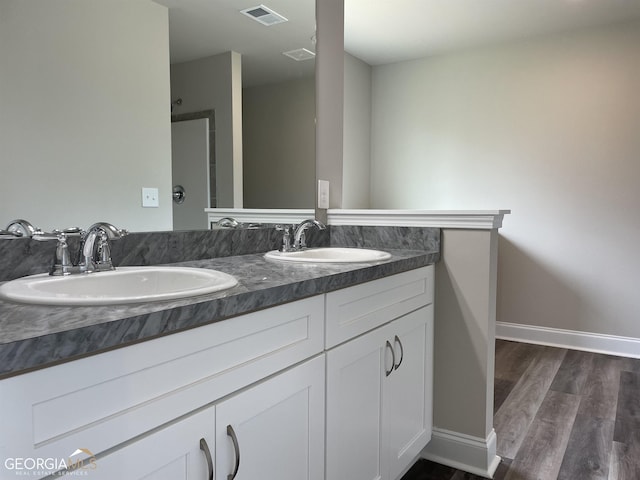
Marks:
<point>150,197</point>
<point>323,194</point>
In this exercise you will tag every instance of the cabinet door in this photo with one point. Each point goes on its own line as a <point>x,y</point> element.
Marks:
<point>176,452</point>
<point>355,383</point>
<point>408,390</point>
<point>274,430</point>
<point>379,390</point>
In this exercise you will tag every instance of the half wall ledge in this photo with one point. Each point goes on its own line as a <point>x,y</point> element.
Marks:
<point>468,219</point>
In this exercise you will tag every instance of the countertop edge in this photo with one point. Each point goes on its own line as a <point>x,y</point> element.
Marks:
<point>29,354</point>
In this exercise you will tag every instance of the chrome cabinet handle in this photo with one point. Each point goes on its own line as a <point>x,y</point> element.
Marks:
<point>397,340</point>
<point>236,449</point>
<point>393,360</point>
<point>207,453</point>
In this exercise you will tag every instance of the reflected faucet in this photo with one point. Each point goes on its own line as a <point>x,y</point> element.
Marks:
<point>228,222</point>
<point>20,228</point>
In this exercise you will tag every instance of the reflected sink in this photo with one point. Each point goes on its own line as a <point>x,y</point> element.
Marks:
<point>330,255</point>
<point>124,285</point>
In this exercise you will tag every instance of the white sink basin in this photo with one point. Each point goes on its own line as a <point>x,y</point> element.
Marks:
<point>330,255</point>
<point>124,285</point>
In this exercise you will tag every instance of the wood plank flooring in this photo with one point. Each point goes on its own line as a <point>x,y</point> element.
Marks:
<point>559,415</point>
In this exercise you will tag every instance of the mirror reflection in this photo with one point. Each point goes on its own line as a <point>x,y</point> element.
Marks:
<point>87,90</point>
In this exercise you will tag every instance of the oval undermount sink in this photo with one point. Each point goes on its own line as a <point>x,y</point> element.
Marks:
<point>123,285</point>
<point>330,255</point>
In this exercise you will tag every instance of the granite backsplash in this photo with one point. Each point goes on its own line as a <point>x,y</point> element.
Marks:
<point>20,257</point>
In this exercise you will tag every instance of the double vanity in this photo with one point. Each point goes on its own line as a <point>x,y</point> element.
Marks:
<point>311,368</point>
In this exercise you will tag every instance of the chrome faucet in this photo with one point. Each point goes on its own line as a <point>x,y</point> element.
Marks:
<point>299,240</point>
<point>95,251</point>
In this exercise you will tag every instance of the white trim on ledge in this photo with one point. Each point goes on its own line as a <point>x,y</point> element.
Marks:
<point>556,337</point>
<point>469,219</point>
<point>260,215</point>
<point>464,452</point>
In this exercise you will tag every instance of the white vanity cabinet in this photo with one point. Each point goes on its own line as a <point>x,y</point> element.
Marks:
<point>272,430</point>
<point>116,402</point>
<point>379,384</point>
<point>332,387</point>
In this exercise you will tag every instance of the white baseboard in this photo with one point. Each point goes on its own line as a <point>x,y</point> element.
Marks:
<point>556,337</point>
<point>464,452</point>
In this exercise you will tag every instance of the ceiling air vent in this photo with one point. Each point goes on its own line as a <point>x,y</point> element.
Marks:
<point>264,15</point>
<point>300,54</point>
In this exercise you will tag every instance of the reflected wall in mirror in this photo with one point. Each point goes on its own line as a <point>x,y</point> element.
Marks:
<point>264,100</point>
<point>85,113</point>
<point>85,89</point>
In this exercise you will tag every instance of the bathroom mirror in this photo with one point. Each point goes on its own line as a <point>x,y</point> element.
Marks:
<point>60,168</point>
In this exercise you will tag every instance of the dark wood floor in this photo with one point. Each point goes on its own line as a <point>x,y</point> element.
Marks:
<point>560,414</point>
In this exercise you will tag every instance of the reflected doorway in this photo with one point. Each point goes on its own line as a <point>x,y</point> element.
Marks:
<point>193,167</point>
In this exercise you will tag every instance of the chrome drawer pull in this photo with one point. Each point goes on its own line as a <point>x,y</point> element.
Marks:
<point>397,340</point>
<point>207,453</point>
<point>236,449</point>
<point>393,360</point>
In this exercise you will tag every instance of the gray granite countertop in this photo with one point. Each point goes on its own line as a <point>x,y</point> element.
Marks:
<point>33,337</point>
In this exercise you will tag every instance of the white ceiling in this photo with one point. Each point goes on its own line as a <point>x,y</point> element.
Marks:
<point>377,31</point>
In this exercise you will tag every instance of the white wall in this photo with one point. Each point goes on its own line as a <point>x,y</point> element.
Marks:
<point>215,83</point>
<point>356,152</point>
<point>279,132</point>
<point>84,113</point>
<point>548,128</point>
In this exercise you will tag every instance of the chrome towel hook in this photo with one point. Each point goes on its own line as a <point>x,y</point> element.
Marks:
<point>179,194</point>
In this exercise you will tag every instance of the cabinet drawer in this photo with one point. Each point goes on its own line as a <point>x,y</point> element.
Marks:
<point>356,310</point>
<point>101,401</point>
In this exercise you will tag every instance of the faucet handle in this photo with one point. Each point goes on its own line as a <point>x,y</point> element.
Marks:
<point>56,234</point>
<point>286,238</point>
<point>41,236</point>
<point>71,231</point>
<point>103,254</point>
<point>62,263</point>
